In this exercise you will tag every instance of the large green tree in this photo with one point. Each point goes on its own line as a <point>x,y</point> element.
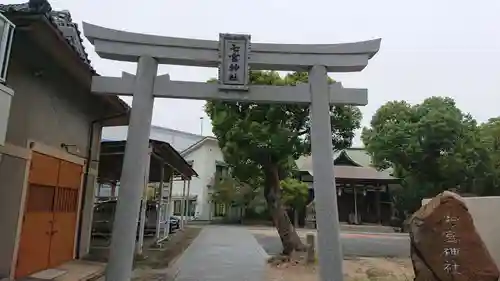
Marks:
<point>490,138</point>
<point>433,146</point>
<point>261,141</point>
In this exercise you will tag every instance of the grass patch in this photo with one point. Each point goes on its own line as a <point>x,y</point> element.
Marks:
<point>153,257</point>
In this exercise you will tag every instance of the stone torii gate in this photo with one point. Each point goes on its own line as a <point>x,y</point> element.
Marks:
<point>233,55</point>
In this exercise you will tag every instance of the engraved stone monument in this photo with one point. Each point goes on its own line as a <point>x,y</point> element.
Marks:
<point>445,244</point>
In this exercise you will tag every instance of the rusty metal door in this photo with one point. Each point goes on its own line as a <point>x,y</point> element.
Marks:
<point>50,219</point>
<point>65,213</point>
<point>36,233</point>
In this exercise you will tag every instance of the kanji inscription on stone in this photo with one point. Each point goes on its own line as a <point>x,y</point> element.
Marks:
<point>233,69</point>
<point>450,252</point>
<point>445,245</point>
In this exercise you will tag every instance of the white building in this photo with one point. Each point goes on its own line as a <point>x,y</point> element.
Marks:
<point>202,151</point>
<point>177,139</point>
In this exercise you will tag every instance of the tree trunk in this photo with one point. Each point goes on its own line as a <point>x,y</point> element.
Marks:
<point>295,217</point>
<point>272,191</point>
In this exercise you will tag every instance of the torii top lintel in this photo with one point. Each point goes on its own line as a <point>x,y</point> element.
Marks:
<point>129,46</point>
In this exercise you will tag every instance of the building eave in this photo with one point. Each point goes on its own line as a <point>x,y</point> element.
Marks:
<point>197,145</point>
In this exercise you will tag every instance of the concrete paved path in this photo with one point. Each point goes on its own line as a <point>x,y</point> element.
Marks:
<point>222,253</point>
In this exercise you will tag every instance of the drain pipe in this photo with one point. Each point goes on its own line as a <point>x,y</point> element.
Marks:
<point>86,175</point>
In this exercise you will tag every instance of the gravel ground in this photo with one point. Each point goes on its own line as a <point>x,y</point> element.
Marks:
<point>357,269</point>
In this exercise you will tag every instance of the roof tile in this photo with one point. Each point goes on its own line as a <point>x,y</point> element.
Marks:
<point>64,24</point>
<point>60,19</point>
<point>366,171</point>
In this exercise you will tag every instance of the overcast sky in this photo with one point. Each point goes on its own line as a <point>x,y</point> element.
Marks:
<point>429,47</point>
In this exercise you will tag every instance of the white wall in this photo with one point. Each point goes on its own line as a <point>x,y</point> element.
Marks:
<point>6,95</point>
<point>204,164</point>
<point>177,139</point>
<point>197,184</point>
<point>214,154</point>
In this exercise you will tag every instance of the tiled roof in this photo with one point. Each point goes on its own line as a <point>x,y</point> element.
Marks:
<point>60,19</point>
<point>359,156</point>
<point>62,22</point>
<point>363,159</point>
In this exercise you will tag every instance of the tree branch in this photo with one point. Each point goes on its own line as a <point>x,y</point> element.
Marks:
<point>306,131</point>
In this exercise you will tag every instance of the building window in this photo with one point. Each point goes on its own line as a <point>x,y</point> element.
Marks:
<point>192,208</point>
<point>221,171</point>
<point>177,207</point>
<point>6,34</point>
<point>219,210</point>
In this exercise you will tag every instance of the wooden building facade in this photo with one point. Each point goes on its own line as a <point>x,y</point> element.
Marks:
<point>363,193</point>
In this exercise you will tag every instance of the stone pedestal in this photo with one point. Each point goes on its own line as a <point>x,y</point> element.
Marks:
<point>311,216</point>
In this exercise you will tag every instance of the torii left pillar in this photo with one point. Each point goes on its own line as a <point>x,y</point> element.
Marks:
<point>132,180</point>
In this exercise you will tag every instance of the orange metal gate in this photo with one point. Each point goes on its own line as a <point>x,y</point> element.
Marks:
<point>50,218</point>
<point>65,210</point>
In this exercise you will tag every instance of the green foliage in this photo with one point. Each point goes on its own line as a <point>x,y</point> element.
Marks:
<point>409,197</point>
<point>490,138</point>
<point>433,141</point>
<point>231,192</point>
<point>255,135</point>
<point>294,193</point>
<point>434,146</point>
